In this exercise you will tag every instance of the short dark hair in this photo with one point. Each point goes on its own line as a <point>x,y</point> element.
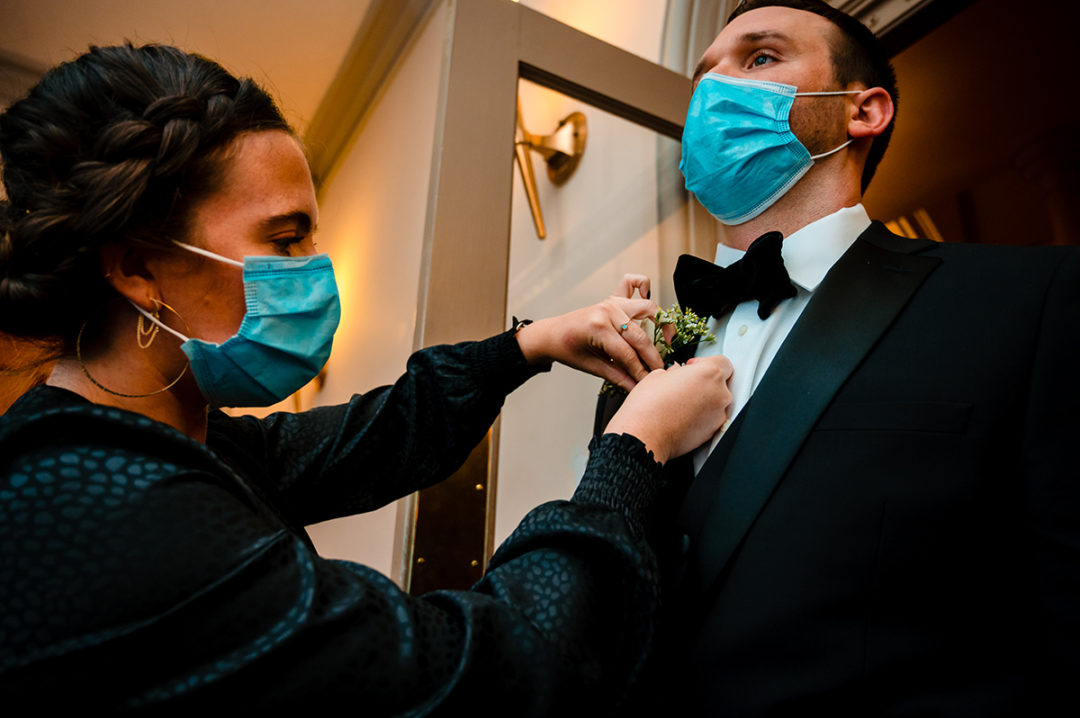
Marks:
<point>857,56</point>
<point>116,145</point>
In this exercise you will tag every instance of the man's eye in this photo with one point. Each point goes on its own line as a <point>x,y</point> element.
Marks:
<point>761,59</point>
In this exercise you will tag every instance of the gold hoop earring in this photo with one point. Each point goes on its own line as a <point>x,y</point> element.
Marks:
<point>99,385</point>
<point>145,337</point>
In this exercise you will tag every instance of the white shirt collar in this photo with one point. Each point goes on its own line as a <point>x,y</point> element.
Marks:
<point>812,251</point>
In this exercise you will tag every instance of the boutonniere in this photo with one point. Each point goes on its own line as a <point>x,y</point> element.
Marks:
<point>689,329</point>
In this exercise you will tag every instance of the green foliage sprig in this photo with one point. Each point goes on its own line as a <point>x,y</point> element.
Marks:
<point>689,329</point>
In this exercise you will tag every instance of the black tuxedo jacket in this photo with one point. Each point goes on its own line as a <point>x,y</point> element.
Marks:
<point>892,525</point>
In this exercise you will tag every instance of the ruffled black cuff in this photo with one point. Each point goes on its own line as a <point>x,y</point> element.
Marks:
<point>622,475</point>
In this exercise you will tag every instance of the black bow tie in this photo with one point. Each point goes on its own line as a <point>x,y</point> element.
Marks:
<point>710,290</point>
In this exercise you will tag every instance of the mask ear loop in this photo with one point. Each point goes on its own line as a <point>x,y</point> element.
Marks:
<point>832,152</point>
<point>208,253</point>
<point>99,385</point>
<point>162,324</point>
<point>826,93</point>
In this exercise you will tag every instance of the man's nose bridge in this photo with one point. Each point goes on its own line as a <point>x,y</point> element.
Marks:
<point>726,64</point>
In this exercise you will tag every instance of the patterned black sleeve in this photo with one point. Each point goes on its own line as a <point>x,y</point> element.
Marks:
<point>384,444</point>
<point>139,575</point>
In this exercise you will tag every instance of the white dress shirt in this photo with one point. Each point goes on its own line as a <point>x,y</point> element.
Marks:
<point>750,343</point>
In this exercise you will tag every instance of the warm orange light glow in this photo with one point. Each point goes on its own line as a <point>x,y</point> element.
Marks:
<point>23,364</point>
<point>928,226</point>
<point>920,225</point>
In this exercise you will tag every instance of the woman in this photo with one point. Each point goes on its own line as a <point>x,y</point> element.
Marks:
<point>152,553</point>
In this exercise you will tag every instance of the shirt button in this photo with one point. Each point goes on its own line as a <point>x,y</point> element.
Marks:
<point>742,329</point>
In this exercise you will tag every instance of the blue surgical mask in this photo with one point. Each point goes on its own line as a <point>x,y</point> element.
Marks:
<point>284,339</point>
<point>739,154</point>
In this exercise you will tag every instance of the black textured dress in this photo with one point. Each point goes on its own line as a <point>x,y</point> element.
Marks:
<point>140,568</point>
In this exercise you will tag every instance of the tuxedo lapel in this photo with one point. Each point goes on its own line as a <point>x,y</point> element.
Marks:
<point>854,305</point>
<point>606,406</point>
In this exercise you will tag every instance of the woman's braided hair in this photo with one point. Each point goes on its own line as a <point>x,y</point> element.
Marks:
<point>117,145</point>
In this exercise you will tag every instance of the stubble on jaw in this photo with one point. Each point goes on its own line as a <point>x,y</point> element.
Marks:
<point>820,122</point>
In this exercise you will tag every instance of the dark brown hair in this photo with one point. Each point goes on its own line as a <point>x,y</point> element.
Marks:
<point>117,145</point>
<point>856,55</point>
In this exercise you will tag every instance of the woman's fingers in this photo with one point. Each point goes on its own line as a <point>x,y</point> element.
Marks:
<point>675,410</point>
<point>668,330</point>
<point>604,339</point>
<point>624,311</point>
<point>608,370</point>
<point>642,347</point>
<point>622,350</point>
<point>630,282</point>
<point>636,308</point>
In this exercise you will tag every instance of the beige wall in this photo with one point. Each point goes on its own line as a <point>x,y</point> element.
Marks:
<point>632,25</point>
<point>289,46</point>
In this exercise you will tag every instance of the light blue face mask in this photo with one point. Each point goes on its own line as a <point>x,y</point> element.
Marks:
<point>739,154</point>
<point>284,339</point>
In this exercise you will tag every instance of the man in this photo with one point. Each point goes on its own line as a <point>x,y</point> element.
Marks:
<point>888,525</point>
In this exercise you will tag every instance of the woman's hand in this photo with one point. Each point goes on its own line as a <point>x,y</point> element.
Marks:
<point>604,339</point>
<point>673,411</point>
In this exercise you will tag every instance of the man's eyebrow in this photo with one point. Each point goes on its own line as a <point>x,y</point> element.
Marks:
<point>301,220</point>
<point>752,37</point>
<point>747,38</point>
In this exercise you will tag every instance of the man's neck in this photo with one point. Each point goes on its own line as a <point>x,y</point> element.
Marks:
<point>806,202</point>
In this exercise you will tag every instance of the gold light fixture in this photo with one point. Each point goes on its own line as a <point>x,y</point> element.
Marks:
<point>561,150</point>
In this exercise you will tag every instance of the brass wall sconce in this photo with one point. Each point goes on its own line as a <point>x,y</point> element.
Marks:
<point>562,150</point>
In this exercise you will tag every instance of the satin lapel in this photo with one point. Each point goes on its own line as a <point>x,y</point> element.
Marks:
<point>606,406</point>
<point>856,302</point>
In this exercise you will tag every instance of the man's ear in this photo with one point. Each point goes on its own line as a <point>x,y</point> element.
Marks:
<point>125,268</point>
<point>871,112</point>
